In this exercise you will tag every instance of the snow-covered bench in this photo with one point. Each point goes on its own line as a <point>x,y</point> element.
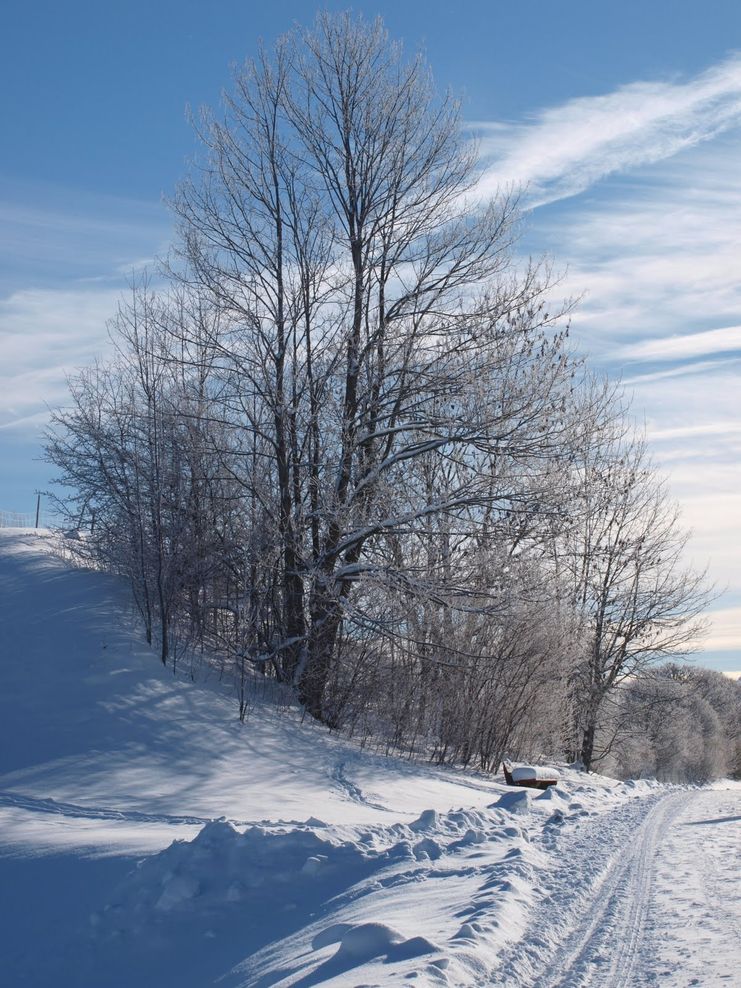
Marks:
<point>531,776</point>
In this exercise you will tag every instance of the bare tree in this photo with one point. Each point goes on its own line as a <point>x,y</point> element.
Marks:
<point>135,446</point>
<point>348,446</point>
<point>375,317</point>
<point>638,601</point>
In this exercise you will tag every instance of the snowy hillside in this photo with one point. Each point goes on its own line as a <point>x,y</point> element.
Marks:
<point>148,838</point>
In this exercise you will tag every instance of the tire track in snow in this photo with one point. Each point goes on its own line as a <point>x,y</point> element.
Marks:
<point>589,927</point>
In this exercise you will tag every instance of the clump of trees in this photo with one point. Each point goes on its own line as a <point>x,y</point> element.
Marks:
<point>346,445</point>
<point>679,723</point>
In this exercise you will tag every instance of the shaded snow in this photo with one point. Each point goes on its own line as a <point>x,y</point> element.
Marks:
<point>93,729</point>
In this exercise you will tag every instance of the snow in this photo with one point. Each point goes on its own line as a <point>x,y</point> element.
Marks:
<point>695,914</point>
<point>147,837</point>
<point>540,773</point>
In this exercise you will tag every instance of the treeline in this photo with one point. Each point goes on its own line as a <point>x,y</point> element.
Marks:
<point>676,723</point>
<point>346,444</point>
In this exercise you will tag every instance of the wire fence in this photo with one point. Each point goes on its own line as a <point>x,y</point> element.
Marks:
<point>40,518</point>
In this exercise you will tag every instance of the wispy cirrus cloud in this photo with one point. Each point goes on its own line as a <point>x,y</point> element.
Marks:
<point>562,150</point>
<point>45,334</point>
<point>54,236</point>
<point>65,257</point>
<point>682,370</point>
<point>694,431</point>
<point>726,428</point>
<point>687,345</point>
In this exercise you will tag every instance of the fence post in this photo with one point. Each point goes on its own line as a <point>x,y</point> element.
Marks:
<point>38,509</point>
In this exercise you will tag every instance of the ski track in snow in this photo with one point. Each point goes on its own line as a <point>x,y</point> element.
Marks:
<point>352,791</point>
<point>602,921</point>
<point>39,805</point>
<point>610,919</point>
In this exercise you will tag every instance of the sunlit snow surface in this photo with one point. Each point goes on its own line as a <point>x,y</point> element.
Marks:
<point>147,838</point>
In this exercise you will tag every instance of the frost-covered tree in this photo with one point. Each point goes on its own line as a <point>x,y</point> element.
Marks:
<point>347,444</point>
<point>638,602</point>
<point>679,724</point>
<point>135,448</point>
<point>374,315</point>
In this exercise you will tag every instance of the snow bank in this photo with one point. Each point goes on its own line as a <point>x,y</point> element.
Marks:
<point>340,898</point>
<point>260,868</point>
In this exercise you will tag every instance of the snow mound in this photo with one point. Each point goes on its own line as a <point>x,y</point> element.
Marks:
<point>359,944</point>
<point>518,801</point>
<point>427,850</point>
<point>641,785</point>
<point>555,794</point>
<point>259,870</point>
<point>369,940</point>
<point>427,820</point>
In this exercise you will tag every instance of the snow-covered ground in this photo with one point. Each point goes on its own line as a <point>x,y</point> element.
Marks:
<point>147,838</point>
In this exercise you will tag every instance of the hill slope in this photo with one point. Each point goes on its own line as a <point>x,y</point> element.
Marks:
<point>329,866</point>
<point>91,720</point>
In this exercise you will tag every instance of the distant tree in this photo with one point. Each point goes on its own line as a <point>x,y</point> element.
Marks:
<point>723,695</point>
<point>679,724</point>
<point>638,602</point>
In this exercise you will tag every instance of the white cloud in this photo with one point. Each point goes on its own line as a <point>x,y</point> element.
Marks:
<point>44,334</point>
<point>725,630</point>
<point>564,149</point>
<point>682,346</point>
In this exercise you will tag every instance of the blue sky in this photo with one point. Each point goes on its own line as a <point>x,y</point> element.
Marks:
<point>624,121</point>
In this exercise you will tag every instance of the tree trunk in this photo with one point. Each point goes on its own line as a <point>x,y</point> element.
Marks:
<point>586,753</point>
<point>326,614</point>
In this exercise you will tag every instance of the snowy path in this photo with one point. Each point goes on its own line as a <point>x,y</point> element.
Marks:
<point>694,919</point>
<point>639,898</point>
